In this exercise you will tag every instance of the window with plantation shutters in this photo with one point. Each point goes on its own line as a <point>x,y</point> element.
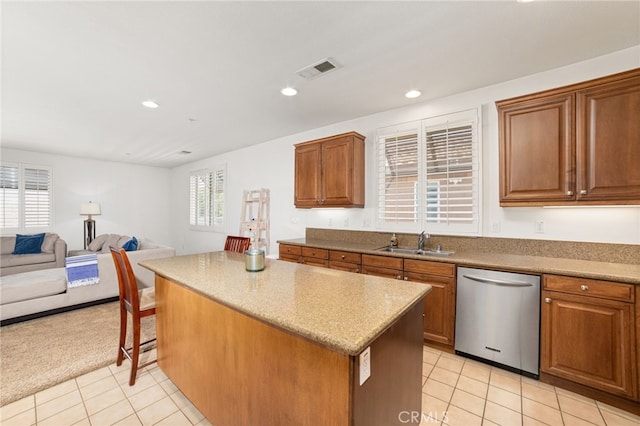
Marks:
<point>398,176</point>
<point>206,199</point>
<point>10,197</point>
<point>429,175</point>
<point>25,198</point>
<point>37,197</point>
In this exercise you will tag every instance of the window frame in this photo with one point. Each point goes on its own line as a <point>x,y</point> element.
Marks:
<point>215,207</point>
<point>25,206</point>
<point>425,183</point>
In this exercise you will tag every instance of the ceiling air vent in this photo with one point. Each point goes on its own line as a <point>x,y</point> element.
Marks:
<point>319,68</point>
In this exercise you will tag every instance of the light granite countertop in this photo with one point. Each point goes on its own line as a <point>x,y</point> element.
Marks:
<point>341,310</point>
<point>620,272</point>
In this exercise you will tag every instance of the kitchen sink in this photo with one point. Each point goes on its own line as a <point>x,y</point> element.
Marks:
<point>440,253</point>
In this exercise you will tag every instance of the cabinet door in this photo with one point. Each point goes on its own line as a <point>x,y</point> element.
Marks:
<point>307,175</point>
<point>337,172</point>
<point>439,307</point>
<point>589,341</point>
<point>537,157</point>
<point>608,142</point>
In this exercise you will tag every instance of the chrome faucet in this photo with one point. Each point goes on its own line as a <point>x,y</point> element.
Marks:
<point>421,238</point>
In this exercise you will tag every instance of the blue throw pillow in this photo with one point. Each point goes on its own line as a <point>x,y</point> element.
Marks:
<point>28,244</point>
<point>131,245</point>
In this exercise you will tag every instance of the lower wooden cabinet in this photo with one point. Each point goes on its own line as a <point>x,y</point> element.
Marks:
<point>345,261</point>
<point>289,253</point>
<point>307,255</point>
<point>588,334</point>
<point>440,303</point>
<point>382,266</point>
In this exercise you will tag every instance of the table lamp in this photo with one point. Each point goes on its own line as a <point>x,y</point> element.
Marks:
<point>89,209</point>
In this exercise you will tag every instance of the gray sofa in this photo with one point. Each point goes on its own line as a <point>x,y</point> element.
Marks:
<point>38,293</point>
<point>54,250</point>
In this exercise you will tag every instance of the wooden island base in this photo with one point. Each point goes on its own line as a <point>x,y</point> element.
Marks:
<point>238,370</point>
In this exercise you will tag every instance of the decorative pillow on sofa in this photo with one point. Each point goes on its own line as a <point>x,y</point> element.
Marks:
<point>112,241</point>
<point>97,243</point>
<point>131,245</point>
<point>49,242</point>
<point>28,244</point>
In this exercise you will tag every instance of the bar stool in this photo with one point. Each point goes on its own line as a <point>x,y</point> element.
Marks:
<point>139,303</point>
<point>237,244</point>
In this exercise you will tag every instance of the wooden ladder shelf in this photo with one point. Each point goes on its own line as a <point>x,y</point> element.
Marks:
<point>254,222</point>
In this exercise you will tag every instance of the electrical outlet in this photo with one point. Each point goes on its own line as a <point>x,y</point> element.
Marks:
<point>539,227</point>
<point>495,227</point>
<point>365,365</point>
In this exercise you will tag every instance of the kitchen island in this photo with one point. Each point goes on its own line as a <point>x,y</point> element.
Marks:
<point>292,344</point>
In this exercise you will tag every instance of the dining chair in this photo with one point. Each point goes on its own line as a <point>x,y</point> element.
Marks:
<point>139,303</point>
<point>237,244</point>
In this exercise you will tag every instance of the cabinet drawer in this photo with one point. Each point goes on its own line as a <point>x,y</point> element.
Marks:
<point>314,261</point>
<point>345,256</point>
<point>589,287</point>
<point>286,249</point>
<point>382,272</point>
<point>315,252</point>
<point>426,267</point>
<point>382,261</point>
<point>344,266</point>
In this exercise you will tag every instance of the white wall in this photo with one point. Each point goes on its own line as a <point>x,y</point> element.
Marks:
<point>134,199</point>
<point>270,165</point>
<point>153,202</point>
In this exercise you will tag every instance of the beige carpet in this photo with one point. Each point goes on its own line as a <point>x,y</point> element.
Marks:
<point>37,354</point>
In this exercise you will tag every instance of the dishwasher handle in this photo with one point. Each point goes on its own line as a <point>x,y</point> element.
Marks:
<point>498,282</point>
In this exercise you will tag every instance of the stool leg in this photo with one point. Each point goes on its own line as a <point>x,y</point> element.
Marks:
<point>123,335</point>
<point>136,350</point>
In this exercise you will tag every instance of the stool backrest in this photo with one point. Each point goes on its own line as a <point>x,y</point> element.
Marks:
<point>237,244</point>
<point>126,280</point>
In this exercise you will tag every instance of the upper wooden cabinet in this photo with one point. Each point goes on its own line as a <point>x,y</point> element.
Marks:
<point>329,172</point>
<point>576,145</point>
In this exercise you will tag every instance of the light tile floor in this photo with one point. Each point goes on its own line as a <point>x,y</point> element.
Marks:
<point>456,391</point>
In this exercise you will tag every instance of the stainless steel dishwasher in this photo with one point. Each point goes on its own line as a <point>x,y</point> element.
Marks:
<point>498,318</point>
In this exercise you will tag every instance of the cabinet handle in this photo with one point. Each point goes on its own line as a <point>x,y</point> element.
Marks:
<point>584,287</point>
<point>357,270</point>
<point>406,278</point>
<point>398,277</point>
<point>583,192</point>
<point>547,300</point>
<point>569,193</point>
<point>313,253</point>
<point>342,257</point>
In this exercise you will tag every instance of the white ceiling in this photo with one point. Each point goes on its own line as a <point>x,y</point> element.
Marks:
<point>74,73</point>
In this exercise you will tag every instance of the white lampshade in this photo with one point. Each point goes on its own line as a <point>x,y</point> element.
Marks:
<point>90,208</point>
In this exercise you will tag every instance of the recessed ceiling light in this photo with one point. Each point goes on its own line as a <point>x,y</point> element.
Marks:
<point>150,104</point>
<point>413,94</point>
<point>289,91</point>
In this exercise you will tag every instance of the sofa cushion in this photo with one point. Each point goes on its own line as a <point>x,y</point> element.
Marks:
<point>28,244</point>
<point>97,243</point>
<point>7,244</point>
<point>111,241</point>
<point>123,240</point>
<point>26,259</point>
<point>32,285</point>
<point>131,245</point>
<point>49,242</point>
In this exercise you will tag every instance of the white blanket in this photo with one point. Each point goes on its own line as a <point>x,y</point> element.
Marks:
<point>82,270</point>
